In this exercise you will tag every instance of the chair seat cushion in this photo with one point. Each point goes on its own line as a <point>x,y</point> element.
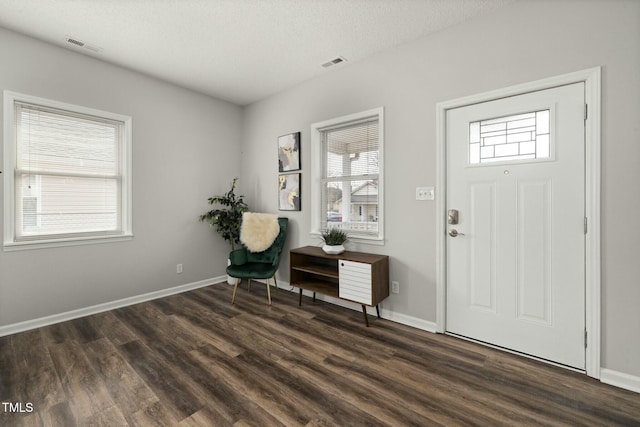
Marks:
<point>252,270</point>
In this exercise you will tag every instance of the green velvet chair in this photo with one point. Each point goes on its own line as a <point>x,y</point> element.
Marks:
<point>258,265</point>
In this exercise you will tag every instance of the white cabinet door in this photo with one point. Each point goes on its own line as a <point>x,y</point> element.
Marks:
<point>355,281</point>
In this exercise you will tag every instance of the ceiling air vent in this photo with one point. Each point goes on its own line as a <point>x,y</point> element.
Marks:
<point>75,42</point>
<point>334,61</point>
<point>80,43</point>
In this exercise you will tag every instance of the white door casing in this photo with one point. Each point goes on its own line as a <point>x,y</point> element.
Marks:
<point>515,278</point>
<point>538,192</point>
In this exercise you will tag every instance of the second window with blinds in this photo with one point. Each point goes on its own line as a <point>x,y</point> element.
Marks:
<point>347,168</point>
<point>68,173</point>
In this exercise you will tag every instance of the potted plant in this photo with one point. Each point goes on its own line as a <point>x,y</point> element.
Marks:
<point>228,218</point>
<point>333,240</point>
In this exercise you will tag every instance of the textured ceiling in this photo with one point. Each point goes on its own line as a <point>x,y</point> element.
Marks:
<point>237,50</point>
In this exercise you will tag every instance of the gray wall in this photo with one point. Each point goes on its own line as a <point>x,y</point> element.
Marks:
<point>524,42</point>
<point>186,147</point>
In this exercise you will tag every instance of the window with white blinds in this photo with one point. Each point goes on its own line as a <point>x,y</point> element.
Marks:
<point>70,172</point>
<point>349,178</point>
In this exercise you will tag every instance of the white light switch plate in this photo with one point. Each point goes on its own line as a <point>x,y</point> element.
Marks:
<point>425,193</point>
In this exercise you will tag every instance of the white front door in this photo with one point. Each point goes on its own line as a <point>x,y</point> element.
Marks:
<point>516,268</point>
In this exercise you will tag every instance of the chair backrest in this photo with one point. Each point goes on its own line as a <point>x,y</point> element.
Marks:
<point>272,254</point>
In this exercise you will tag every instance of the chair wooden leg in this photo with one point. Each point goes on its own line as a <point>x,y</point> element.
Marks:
<point>249,285</point>
<point>268,291</point>
<point>235,289</point>
<point>275,281</point>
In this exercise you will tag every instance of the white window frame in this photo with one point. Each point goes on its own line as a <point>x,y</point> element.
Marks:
<point>316,172</point>
<point>10,163</point>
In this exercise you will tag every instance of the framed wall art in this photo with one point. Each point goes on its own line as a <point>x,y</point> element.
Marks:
<point>289,192</point>
<point>289,152</point>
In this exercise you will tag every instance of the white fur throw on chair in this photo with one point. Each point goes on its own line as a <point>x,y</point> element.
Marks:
<point>258,230</point>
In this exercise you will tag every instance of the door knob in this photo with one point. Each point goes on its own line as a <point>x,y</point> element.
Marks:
<point>453,233</point>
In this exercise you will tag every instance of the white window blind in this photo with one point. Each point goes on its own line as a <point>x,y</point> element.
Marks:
<point>350,174</point>
<point>68,174</point>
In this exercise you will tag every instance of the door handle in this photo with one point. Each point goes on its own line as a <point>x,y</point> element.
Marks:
<point>454,233</point>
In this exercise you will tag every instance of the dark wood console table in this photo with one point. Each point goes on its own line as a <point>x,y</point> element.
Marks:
<point>352,276</point>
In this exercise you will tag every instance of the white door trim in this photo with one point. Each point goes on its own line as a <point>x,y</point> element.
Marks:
<point>591,78</point>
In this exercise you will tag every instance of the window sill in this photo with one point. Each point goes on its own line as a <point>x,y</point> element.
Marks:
<point>54,243</point>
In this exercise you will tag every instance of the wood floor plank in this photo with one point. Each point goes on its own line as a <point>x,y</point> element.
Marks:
<point>440,401</point>
<point>316,400</point>
<point>349,345</point>
<point>461,379</point>
<point>305,345</point>
<point>443,390</point>
<point>210,336</point>
<point>32,374</point>
<point>380,406</point>
<point>194,359</point>
<point>126,388</point>
<point>112,328</point>
<point>61,415</point>
<point>215,302</point>
<point>286,408</point>
<point>150,324</point>
<point>544,391</point>
<point>155,414</point>
<point>203,418</point>
<point>217,328</point>
<point>30,351</point>
<point>84,390</point>
<point>85,331</point>
<point>9,372</point>
<point>111,416</point>
<point>224,334</point>
<point>56,333</point>
<point>173,359</point>
<point>170,388</point>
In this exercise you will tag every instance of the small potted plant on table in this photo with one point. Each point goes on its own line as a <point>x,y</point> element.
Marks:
<point>333,240</point>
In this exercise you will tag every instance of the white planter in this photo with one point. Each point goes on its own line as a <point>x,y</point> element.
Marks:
<point>333,249</point>
<point>230,280</point>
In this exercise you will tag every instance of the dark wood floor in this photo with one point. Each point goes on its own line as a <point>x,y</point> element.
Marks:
<point>194,360</point>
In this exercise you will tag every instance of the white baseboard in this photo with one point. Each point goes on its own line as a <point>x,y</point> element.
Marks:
<point>414,322</point>
<point>619,379</point>
<point>87,311</point>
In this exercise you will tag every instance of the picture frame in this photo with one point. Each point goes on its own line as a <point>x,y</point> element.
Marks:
<point>289,186</point>
<point>289,152</point>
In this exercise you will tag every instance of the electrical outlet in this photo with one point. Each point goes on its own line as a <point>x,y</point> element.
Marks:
<point>425,193</point>
<point>395,287</point>
<point>179,268</point>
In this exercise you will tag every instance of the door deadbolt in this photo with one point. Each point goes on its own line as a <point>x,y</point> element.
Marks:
<point>452,217</point>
